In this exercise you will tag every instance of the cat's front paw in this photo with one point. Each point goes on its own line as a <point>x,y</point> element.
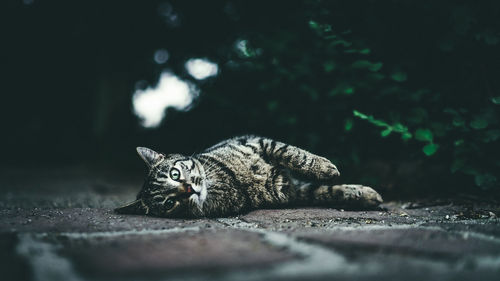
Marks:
<point>326,170</point>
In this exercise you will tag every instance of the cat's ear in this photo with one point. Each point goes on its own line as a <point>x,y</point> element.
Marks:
<point>133,208</point>
<point>149,156</point>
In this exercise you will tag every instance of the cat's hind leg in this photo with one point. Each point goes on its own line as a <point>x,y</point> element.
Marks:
<point>342,195</point>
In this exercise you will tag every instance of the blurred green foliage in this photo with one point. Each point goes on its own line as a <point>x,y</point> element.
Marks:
<point>436,102</point>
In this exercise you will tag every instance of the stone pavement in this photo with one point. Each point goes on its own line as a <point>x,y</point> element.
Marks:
<point>59,225</point>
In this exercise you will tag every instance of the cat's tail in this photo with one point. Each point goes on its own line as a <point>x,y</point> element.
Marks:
<point>343,195</point>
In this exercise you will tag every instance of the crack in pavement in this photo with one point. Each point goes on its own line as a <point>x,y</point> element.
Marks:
<point>111,234</point>
<point>46,264</point>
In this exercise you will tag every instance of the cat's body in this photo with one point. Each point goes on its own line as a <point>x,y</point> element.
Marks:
<point>241,174</point>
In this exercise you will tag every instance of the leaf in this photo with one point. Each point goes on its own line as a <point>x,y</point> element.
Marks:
<point>386,132</point>
<point>430,149</point>
<point>365,51</point>
<point>341,89</point>
<point>376,122</point>
<point>406,136</point>
<point>313,25</point>
<point>361,64</point>
<point>424,135</point>
<point>458,122</point>
<point>496,100</point>
<point>479,123</point>
<point>348,90</point>
<point>329,66</point>
<point>341,42</point>
<point>376,76</point>
<point>367,64</point>
<point>491,135</point>
<point>399,76</point>
<point>348,124</point>
<point>398,127</point>
<point>484,180</point>
<point>359,114</point>
<point>376,66</point>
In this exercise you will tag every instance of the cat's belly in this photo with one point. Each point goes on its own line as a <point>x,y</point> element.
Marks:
<point>265,184</point>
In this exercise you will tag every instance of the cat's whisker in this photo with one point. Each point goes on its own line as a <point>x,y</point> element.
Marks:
<point>209,169</point>
<point>206,160</point>
<point>213,172</point>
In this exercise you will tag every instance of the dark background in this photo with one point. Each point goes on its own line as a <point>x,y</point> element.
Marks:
<point>427,71</point>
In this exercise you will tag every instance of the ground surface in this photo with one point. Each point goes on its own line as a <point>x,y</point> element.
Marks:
<point>59,225</point>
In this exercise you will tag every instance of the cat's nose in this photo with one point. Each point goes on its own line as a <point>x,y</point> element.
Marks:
<point>188,188</point>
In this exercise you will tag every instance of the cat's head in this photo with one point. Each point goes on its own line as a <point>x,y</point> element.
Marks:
<point>175,185</point>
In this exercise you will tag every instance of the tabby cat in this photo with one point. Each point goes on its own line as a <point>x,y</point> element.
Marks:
<point>241,174</point>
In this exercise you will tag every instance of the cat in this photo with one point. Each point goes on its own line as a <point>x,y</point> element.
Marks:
<point>242,174</point>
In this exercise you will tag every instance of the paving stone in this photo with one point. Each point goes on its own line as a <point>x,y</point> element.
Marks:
<point>407,240</point>
<point>181,253</point>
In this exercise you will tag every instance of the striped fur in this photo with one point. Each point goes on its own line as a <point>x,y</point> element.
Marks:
<point>241,174</point>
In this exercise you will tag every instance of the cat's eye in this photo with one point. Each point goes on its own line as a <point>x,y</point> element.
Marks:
<point>175,174</point>
<point>169,204</point>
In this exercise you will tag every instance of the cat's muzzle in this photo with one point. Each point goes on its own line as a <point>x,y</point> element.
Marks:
<point>188,189</point>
